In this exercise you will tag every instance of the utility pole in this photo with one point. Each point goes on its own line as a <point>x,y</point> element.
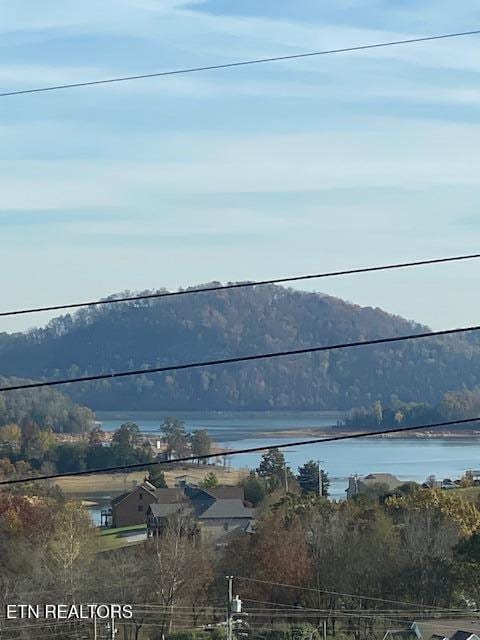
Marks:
<point>229,608</point>
<point>95,636</point>
<point>320,483</point>
<point>286,478</point>
<point>111,627</point>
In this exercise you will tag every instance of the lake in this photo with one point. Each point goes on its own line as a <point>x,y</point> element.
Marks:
<point>222,426</point>
<point>407,458</point>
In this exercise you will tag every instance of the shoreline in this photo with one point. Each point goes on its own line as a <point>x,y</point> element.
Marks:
<point>319,433</point>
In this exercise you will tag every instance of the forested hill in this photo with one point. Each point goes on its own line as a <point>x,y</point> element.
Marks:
<point>45,407</point>
<point>238,322</point>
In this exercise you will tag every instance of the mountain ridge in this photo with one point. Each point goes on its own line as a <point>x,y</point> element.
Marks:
<point>221,324</point>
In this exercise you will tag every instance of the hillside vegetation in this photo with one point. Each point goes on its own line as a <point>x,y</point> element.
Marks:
<point>243,321</point>
<point>44,407</point>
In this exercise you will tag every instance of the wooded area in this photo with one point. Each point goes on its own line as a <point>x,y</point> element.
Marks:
<point>239,322</point>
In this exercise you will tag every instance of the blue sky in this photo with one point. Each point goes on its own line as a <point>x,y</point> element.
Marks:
<point>293,167</point>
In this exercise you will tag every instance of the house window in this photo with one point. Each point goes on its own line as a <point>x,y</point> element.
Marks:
<point>140,507</point>
<point>225,526</point>
<point>140,496</point>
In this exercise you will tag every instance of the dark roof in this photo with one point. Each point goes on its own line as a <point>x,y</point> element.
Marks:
<point>411,633</point>
<point>119,498</point>
<point>381,478</point>
<point>403,634</point>
<point>226,493</point>
<point>169,496</point>
<point>463,635</point>
<point>122,496</point>
<point>164,496</point>
<point>165,510</point>
<point>226,509</point>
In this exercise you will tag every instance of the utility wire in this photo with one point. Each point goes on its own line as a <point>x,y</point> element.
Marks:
<point>241,285</point>
<point>142,465</point>
<point>350,595</point>
<point>249,358</point>
<point>243,63</point>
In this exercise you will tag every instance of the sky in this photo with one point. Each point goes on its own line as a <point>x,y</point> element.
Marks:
<point>249,173</point>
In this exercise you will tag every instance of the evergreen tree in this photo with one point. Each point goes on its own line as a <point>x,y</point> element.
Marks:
<point>210,481</point>
<point>201,444</point>
<point>254,488</point>
<point>274,470</point>
<point>175,436</point>
<point>308,479</point>
<point>124,443</point>
<point>157,477</point>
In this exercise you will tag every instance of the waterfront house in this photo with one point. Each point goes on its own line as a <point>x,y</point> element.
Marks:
<point>358,484</point>
<point>130,508</point>
<point>217,513</point>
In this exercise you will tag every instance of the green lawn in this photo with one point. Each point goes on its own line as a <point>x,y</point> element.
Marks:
<point>116,538</point>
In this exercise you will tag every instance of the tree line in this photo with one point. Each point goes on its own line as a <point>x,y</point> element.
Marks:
<point>453,406</point>
<point>29,449</point>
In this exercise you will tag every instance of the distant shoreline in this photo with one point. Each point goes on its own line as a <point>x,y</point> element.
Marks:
<point>319,433</point>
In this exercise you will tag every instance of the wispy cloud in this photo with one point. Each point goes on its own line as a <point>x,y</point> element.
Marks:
<point>388,153</point>
<point>229,175</point>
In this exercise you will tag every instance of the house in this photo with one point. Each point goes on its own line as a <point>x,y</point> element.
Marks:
<point>222,517</point>
<point>130,508</point>
<point>158,515</point>
<point>464,635</point>
<point>215,513</point>
<point>419,631</point>
<point>358,484</point>
<point>473,475</point>
<point>233,534</point>
<point>201,496</point>
<point>411,632</point>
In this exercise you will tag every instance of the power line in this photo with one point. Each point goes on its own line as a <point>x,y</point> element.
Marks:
<point>243,63</point>
<point>142,465</point>
<point>349,595</point>
<point>236,359</point>
<point>241,285</point>
<point>296,609</point>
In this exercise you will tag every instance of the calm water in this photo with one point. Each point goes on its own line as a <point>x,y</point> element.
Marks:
<point>406,458</point>
<point>224,426</point>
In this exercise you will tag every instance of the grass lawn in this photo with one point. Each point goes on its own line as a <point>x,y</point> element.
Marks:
<point>116,483</point>
<point>116,538</point>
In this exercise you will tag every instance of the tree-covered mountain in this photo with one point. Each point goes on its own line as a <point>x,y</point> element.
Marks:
<point>44,407</point>
<point>238,322</point>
